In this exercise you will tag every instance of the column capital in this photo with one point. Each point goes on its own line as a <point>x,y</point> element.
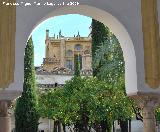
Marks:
<point>4,105</point>
<point>5,119</point>
<point>148,102</point>
<point>147,99</point>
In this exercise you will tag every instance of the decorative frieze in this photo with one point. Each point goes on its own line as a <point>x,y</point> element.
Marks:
<point>50,60</point>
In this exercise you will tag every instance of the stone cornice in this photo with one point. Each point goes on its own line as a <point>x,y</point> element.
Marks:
<point>9,94</point>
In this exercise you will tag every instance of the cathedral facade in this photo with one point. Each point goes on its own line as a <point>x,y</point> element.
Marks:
<point>58,66</point>
<point>61,53</point>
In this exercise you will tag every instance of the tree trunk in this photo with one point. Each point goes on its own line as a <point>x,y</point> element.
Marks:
<point>113,127</point>
<point>59,126</point>
<point>55,126</point>
<point>96,127</point>
<point>129,125</point>
<point>124,126</point>
<point>64,127</point>
<point>78,127</point>
<point>103,126</point>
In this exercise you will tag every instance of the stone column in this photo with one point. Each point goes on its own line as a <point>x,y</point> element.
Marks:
<point>148,103</point>
<point>149,119</point>
<point>5,120</point>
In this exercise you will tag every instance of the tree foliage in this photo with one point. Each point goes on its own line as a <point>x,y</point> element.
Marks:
<point>99,35</point>
<point>26,112</point>
<point>84,101</point>
<point>110,56</point>
<point>108,64</point>
<point>157,112</point>
<point>96,102</point>
<point>77,65</point>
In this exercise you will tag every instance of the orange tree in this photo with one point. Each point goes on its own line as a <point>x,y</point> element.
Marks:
<point>84,102</point>
<point>109,62</point>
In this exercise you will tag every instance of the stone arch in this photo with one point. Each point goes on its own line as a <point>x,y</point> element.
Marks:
<point>124,18</point>
<point>113,23</point>
<point>122,35</point>
<point>69,53</point>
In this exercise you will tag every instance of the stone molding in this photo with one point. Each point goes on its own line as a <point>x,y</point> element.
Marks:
<point>49,86</point>
<point>9,94</point>
<point>62,71</point>
<point>146,99</point>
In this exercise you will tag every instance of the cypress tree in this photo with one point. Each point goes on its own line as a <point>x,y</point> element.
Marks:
<point>26,112</point>
<point>100,34</point>
<point>77,66</point>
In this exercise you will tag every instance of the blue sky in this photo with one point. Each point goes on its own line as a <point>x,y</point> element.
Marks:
<point>68,24</point>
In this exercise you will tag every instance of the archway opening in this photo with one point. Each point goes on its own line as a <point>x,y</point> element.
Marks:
<point>77,48</point>
<point>118,30</point>
<point>116,27</point>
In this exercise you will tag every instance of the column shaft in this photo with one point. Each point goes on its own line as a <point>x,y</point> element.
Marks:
<point>5,120</point>
<point>5,124</point>
<point>149,119</point>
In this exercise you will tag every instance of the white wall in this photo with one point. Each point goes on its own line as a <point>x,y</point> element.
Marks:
<point>52,79</point>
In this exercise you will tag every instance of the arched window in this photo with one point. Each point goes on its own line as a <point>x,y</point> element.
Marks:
<point>69,53</point>
<point>79,58</point>
<point>78,47</point>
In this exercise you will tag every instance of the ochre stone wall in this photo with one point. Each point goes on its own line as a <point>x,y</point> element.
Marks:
<point>58,48</point>
<point>7,43</point>
<point>151,40</point>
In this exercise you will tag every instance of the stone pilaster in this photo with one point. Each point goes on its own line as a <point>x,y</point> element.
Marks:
<point>62,51</point>
<point>83,62</point>
<point>89,61</point>
<point>5,120</point>
<point>148,103</point>
<point>151,40</point>
<point>7,43</point>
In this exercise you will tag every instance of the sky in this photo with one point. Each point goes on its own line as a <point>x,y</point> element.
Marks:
<point>69,26</point>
